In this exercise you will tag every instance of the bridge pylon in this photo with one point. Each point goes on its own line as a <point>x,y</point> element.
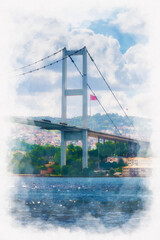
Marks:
<point>83,134</point>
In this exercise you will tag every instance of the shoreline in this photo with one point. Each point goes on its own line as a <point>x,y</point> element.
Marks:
<point>39,175</point>
<point>56,176</point>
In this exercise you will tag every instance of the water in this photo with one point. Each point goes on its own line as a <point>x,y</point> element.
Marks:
<point>88,203</point>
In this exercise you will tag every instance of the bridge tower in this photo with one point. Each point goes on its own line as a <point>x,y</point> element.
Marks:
<point>79,135</point>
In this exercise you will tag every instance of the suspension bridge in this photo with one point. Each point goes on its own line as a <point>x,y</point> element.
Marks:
<point>70,133</point>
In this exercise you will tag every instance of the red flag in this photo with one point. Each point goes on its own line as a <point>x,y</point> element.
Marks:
<point>92,97</point>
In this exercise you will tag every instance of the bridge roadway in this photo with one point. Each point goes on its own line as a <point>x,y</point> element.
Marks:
<point>64,127</point>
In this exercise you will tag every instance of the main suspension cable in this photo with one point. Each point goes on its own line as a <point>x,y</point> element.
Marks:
<point>40,60</point>
<point>111,91</point>
<point>95,95</point>
<point>48,65</point>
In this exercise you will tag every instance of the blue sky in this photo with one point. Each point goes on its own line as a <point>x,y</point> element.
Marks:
<point>116,44</point>
<point>31,23</point>
<point>126,40</point>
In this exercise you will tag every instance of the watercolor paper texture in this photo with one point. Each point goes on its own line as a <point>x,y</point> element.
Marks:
<point>123,39</point>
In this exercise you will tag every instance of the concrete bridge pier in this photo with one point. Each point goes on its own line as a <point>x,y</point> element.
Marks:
<point>133,148</point>
<point>85,149</point>
<point>98,164</point>
<point>63,149</point>
<point>70,136</point>
<point>130,148</point>
<point>137,147</point>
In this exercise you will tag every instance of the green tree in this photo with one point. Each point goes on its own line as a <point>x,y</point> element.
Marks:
<point>50,151</point>
<point>85,172</point>
<point>121,163</point>
<point>57,169</point>
<point>65,170</point>
<point>111,172</point>
<point>57,156</point>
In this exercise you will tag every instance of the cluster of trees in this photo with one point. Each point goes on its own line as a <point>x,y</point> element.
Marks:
<point>31,159</point>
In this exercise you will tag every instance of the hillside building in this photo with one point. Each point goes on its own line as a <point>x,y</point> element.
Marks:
<point>137,171</point>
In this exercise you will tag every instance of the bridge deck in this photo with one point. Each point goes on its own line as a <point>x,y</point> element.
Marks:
<point>63,127</point>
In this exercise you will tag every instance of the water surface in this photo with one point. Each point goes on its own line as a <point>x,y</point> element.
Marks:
<point>80,202</point>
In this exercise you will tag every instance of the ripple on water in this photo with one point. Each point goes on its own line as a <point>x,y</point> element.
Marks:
<point>79,202</point>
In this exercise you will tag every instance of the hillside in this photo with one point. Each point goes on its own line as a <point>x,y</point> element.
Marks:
<point>102,123</point>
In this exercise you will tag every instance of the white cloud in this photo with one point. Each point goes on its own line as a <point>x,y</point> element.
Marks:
<point>41,37</point>
<point>14,36</point>
<point>40,104</point>
<point>41,81</point>
<point>140,105</point>
<point>136,105</point>
<point>131,21</point>
<point>135,70</point>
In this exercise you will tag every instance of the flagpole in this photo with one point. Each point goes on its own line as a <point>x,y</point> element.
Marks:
<point>90,106</point>
<point>92,97</point>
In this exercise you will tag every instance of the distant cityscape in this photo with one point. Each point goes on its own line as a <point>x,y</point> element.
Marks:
<point>137,166</point>
<point>33,135</point>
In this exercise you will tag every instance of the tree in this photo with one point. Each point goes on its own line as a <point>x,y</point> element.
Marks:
<point>65,170</point>
<point>114,165</point>
<point>57,169</point>
<point>111,172</point>
<point>57,156</point>
<point>50,151</point>
<point>121,163</point>
<point>72,171</point>
<point>85,172</point>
